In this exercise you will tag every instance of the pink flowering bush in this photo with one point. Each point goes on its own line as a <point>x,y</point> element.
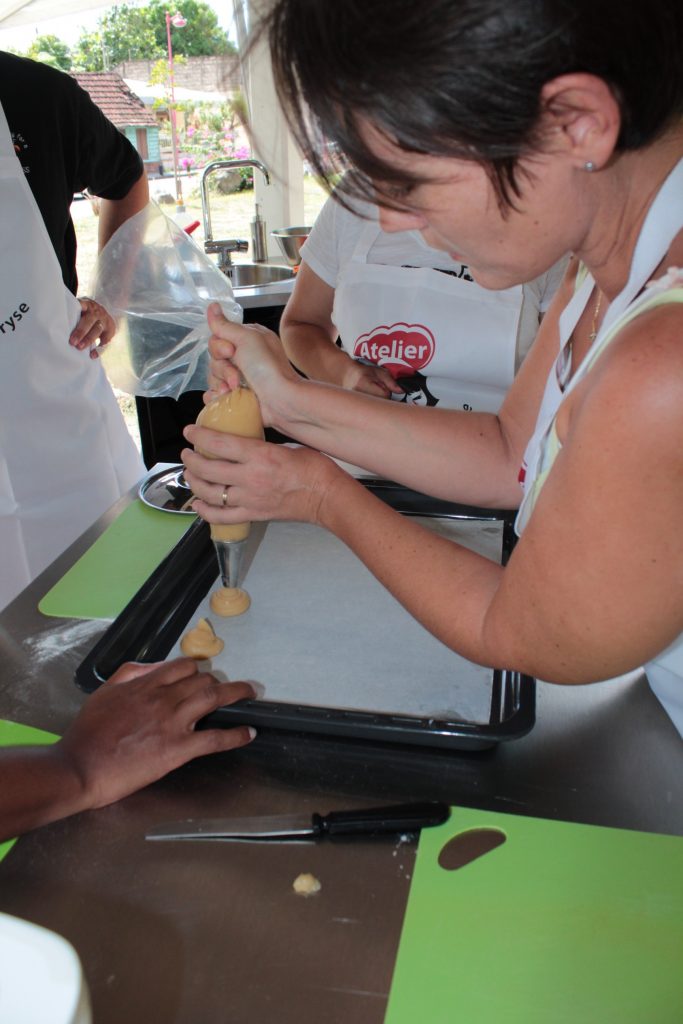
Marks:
<point>210,135</point>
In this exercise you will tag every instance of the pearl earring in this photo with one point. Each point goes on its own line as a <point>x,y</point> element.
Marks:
<point>589,166</point>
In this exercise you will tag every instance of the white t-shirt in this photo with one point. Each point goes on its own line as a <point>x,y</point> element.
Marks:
<point>335,234</point>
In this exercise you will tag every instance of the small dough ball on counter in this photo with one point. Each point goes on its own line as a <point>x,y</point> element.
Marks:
<point>229,601</point>
<point>201,642</point>
<point>306,885</point>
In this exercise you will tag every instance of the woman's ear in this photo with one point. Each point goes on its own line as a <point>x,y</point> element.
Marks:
<point>581,114</point>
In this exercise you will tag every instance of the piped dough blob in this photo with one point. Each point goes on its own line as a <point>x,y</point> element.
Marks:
<point>306,885</point>
<point>229,601</point>
<point>201,642</point>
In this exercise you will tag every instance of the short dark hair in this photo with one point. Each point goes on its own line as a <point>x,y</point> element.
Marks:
<point>464,77</point>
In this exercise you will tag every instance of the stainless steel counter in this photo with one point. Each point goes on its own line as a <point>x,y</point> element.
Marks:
<point>198,933</point>
<point>266,295</point>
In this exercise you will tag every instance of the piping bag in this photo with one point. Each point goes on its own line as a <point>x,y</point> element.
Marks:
<point>235,412</point>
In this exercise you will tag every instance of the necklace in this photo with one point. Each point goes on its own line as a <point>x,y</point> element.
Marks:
<point>563,364</point>
<point>594,329</point>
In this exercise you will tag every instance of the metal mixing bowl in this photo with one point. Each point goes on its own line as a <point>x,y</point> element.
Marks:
<point>290,241</point>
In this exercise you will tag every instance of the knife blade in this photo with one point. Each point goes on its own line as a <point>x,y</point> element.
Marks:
<point>367,821</point>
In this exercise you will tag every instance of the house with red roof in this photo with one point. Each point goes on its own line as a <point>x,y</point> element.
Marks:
<point>125,110</point>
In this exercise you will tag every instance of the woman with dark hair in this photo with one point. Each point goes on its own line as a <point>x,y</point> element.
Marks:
<point>508,134</point>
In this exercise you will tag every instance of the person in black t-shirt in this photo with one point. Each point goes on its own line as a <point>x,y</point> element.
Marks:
<point>113,746</point>
<point>56,480</point>
<point>67,145</point>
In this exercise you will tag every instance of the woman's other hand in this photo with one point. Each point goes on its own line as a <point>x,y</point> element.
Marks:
<point>370,379</point>
<point>251,352</point>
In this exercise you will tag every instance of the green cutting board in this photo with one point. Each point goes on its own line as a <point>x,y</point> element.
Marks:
<point>12,734</point>
<point>101,583</point>
<point>561,924</point>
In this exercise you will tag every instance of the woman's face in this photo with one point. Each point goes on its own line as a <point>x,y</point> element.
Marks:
<point>456,209</point>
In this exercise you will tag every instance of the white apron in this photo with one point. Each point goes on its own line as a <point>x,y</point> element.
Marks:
<point>460,339</point>
<point>65,453</point>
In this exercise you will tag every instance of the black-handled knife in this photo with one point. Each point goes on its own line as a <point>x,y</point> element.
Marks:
<point>365,822</point>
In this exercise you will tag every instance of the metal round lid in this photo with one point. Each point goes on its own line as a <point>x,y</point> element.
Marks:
<point>167,490</point>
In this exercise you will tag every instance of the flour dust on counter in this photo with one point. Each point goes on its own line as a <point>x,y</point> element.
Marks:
<point>59,642</point>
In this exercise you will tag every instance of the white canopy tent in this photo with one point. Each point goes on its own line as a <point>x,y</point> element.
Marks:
<point>282,201</point>
<point>24,12</point>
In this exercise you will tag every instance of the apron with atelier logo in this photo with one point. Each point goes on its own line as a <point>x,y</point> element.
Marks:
<point>454,340</point>
<point>65,452</point>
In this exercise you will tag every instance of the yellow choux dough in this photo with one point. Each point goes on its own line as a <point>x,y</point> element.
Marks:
<point>201,641</point>
<point>235,412</point>
<point>230,601</point>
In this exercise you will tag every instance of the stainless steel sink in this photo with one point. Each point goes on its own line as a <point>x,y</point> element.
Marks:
<point>249,275</point>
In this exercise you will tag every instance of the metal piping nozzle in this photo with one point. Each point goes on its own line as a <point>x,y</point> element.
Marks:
<point>230,554</point>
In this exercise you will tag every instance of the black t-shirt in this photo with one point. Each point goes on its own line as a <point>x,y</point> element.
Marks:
<point>65,145</point>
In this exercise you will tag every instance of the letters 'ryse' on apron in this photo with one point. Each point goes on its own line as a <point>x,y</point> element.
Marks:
<point>65,452</point>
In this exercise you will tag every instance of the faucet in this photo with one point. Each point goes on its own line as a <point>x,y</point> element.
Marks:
<point>226,246</point>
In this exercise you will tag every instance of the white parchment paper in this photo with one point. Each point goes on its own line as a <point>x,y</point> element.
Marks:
<point>322,631</point>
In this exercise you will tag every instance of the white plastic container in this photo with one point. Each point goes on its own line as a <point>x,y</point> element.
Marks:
<point>41,978</point>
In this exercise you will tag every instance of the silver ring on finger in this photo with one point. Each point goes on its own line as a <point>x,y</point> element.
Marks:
<point>224,497</point>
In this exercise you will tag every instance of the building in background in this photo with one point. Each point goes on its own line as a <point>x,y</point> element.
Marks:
<point>127,112</point>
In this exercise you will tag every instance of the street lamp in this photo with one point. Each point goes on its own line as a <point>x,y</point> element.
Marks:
<point>177,21</point>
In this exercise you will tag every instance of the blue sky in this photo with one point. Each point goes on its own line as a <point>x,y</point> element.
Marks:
<point>70,28</point>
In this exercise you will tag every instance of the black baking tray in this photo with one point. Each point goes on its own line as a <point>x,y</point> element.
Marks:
<point>150,624</point>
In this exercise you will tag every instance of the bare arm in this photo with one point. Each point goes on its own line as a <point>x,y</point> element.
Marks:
<point>594,587</point>
<point>96,327</point>
<point>307,332</point>
<point>309,339</point>
<point>130,732</point>
<point>115,212</point>
<point>468,457</point>
<point>462,456</point>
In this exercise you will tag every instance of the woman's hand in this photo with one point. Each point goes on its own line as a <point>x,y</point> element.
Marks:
<point>246,480</point>
<point>141,724</point>
<point>94,330</point>
<point>249,351</point>
<point>370,380</point>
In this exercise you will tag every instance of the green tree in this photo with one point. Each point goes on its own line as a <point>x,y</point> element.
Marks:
<point>202,36</point>
<point>139,33</point>
<point>88,54</point>
<point>128,34</point>
<point>50,50</point>
<point>161,75</point>
<point>123,33</point>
